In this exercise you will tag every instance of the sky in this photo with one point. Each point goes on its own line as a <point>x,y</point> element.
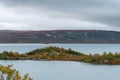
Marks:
<point>60,15</point>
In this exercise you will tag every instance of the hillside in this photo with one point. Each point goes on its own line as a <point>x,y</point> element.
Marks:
<point>59,36</point>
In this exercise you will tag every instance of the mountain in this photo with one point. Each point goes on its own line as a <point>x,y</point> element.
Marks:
<point>59,36</point>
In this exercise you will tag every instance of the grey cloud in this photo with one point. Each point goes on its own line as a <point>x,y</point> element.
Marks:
<point>102,11</point>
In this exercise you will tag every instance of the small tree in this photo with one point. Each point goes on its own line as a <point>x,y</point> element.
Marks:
<point>7,73</point>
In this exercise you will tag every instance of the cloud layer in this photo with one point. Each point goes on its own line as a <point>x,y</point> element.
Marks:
<point>60,14</point>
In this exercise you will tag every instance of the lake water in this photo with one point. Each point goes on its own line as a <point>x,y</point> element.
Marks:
<point>64,70</point>
<point>85,48</point>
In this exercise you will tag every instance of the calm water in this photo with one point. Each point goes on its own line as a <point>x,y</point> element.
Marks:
<point>61,70</point>
<point>85,48</point>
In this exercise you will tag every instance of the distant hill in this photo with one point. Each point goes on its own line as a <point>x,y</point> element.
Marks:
<point>59,36</point>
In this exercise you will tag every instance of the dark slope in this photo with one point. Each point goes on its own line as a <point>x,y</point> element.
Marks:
<point>59,36</point>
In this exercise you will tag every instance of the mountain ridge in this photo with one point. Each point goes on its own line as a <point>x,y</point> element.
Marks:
<point>59,36</point>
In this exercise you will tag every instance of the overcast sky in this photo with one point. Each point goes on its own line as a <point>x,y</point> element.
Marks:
<point>60,14</point>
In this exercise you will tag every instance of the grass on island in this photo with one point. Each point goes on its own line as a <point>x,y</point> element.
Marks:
<point>56,53</point>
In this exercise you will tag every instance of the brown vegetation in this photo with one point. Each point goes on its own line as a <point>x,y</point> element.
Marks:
<point>56,53</point>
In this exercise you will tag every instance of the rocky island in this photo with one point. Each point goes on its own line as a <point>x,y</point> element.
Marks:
<point>56,53</point>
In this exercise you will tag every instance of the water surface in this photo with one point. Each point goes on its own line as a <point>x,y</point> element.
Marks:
<point>85,48</point>
<point>65,70</point>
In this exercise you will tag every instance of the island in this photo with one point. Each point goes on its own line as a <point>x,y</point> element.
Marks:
<point>57,53</point>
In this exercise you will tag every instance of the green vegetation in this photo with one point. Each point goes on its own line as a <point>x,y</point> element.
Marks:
<point>7,73</point>
<point>56,53</point>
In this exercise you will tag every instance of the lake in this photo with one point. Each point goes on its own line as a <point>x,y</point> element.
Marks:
<point>85,48</point>
<point>64,70</point>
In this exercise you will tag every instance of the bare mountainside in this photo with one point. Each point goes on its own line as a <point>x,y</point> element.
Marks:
<point>59,36</point>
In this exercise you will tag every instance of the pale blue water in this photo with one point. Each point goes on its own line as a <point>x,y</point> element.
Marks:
<point>85,48</point>
<point>61,70</point>
<point>64,70</point>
